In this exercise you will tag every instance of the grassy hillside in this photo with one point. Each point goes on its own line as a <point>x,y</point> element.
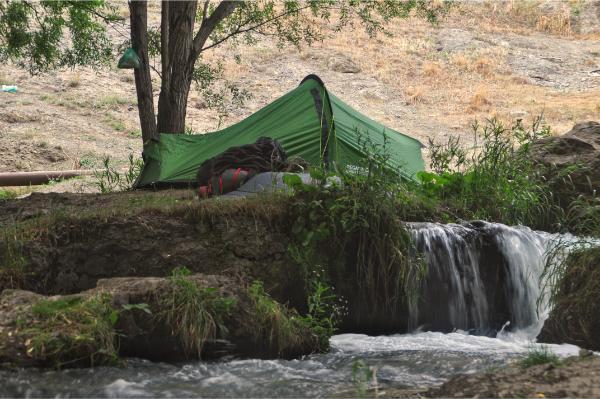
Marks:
<point>513,59</point>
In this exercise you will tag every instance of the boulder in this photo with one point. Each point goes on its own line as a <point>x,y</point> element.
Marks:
<point>571,162</point>
<point>164,319</point>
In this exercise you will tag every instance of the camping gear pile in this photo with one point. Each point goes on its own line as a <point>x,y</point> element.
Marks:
<point>229,170</point>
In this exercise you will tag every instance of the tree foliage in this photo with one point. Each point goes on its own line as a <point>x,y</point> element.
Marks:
<point>50,34</point>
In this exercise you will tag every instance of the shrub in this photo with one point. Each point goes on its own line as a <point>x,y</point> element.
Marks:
<point>497,181</point>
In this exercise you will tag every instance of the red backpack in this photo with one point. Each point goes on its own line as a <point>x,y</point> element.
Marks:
<point>229,180</point>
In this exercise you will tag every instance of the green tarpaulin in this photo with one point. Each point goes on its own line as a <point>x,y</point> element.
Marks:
<point>308,121</point>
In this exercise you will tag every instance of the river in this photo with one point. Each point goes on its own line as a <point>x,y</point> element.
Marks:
<point>417,360</point>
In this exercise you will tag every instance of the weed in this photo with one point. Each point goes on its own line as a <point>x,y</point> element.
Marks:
<point>283,329</point>
<point>135,134</point>
<point>144,307</point>
<point>7,194</point>
<point>12,260</point>
<point>116,124</point>
<point>362,375</point>
<point>71,331</point>
<point>539,355</point>
<point>109,179</point>
<point>196,315</point>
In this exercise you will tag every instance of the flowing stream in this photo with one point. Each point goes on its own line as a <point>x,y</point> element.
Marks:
<point>478,311</point>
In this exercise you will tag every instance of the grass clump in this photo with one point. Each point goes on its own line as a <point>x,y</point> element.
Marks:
<point>282,329</point>
<point>539,355</point>
<point>196,315</point>
<point>7,194</point>
<point>71,331</point>
<point>113,102</point>
<point>285,331</point>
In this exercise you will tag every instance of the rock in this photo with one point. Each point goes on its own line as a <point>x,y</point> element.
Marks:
<point>518,114</point>
<point>164,319</point>
<point>571,162</point>
<point>573,318</point>
<point>342,63</point>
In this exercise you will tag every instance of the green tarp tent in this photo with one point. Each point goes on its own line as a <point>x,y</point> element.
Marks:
<point>308,121</point>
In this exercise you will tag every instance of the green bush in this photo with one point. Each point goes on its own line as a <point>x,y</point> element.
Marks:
<point>497,181</point>
<point>347,229</point>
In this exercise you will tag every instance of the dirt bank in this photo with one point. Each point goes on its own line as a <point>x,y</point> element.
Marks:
<point>576,378</point>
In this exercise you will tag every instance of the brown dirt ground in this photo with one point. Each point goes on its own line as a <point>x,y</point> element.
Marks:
<point>577,378</point>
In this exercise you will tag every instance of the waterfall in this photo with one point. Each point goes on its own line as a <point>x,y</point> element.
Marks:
<point>481,277</point>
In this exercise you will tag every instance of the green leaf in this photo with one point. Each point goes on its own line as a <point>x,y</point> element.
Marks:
<point>292,181</point>
<point>139,306</point>
<point>113,317</point>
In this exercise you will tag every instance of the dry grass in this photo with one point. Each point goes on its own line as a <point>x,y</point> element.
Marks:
<point>432,69</point>
<point>415,95</point>
<point>557,23</point>
<point>479,101</point>
<point>74,81</point>
<point>527,15</point>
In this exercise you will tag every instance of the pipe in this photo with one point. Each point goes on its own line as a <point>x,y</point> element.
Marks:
<point>40,177</point>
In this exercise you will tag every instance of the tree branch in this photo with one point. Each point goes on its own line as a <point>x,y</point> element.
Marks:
<point>239,29</point>
<point>223,10</point>
<point>205,10</point>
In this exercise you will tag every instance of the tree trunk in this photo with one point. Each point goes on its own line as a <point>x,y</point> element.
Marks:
<point>143,82</point>
<point>175,87</point>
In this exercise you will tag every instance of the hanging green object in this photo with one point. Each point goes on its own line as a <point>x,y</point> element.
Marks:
<point>129,60</point>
